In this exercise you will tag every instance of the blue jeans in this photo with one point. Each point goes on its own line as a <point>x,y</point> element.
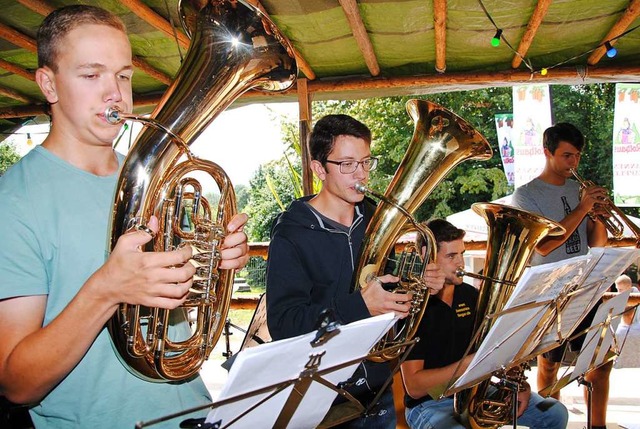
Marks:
<point>439,415</point>
<point>383,415</point>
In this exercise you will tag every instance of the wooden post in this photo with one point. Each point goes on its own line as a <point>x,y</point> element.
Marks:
<point>304,106</point>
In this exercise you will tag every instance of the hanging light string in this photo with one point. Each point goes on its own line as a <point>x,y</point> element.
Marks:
<point>606,44</point>
<point>500,36</point>
<point>611,51</point>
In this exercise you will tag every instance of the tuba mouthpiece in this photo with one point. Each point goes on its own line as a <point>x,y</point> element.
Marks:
<point>360,187</point>
<point>112,115</point>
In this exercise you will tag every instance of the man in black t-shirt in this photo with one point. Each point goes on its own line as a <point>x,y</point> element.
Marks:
<point>445,333</point>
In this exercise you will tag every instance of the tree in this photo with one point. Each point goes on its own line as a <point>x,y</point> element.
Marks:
<point>8,157</point>
<point>271,190</point>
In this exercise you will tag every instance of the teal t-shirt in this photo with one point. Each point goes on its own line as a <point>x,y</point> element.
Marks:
<point>54,228</point>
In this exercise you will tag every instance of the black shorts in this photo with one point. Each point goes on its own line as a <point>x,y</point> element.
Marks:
<point>555,355</point>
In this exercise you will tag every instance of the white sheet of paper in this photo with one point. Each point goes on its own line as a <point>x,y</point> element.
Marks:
<point>588,276</point>
<point>283,361</point>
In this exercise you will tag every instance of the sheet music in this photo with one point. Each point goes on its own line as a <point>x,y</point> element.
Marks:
<point>530,319</point>
<point>284,360</point>
<point>501,346</point>
<point>605,265</point>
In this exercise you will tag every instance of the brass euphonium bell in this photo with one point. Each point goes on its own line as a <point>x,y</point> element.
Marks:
<point>512,239</point>
<point>234,48</point>
<point>441,140</point>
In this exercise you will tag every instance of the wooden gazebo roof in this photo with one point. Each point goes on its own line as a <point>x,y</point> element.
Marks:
<point>362,48</point>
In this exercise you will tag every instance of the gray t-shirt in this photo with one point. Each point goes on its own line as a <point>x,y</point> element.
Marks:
<point>554,202</point>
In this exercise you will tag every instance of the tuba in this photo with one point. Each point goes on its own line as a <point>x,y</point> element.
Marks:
<point>234,48</point>
<point>513,236</point>
<point>441,140</point>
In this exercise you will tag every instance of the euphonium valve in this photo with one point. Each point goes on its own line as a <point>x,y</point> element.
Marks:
<point>441,140</point>
<point>234,48</point>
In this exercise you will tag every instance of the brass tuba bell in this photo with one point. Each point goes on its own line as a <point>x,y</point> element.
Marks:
<point>234,48</point>
<point>441,140</point>
<point>513,236</point>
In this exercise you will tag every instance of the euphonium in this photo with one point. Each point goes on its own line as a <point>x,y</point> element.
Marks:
<point>234,48</point>
<point>614,219</point>
<point>513,236</point>
<point>441,140</point>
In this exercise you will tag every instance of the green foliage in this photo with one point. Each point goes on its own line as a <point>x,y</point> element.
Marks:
<point>242,196</point>
<point>8,157</point>
<point>263,206</point>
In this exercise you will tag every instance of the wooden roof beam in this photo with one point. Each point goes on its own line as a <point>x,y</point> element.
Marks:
<point>440,32</point>
<point>17,38</point>
<point>17,70</point>
<point>351,10</point>
<point>28,43</point>
<point>627,18</point>
<point>7,92</point>
<point>303,65</point>
<point>532,28</point>
<point>38,6</point>
<point>148,15</point>
<point>412,84</point>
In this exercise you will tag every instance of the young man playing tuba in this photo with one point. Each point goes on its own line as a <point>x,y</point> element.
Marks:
<point>57,288</point>
<point>445,333</point>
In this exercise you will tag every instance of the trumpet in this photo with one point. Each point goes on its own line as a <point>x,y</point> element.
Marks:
<point>613,218</point>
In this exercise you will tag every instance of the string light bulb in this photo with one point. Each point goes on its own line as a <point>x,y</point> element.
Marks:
<point>29,141</point>
<point>544,72</point>
<point>611,51</point>
<point>495,42</point>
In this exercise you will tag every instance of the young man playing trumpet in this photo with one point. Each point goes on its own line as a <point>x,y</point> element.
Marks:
<point>562,200</point>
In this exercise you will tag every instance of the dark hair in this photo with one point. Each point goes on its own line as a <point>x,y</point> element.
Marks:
<point>326,130</point>
<point>563,131</point>
<point>444,231</point>
<point>62,21</point>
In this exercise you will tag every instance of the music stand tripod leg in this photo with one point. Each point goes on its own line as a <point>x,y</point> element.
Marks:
<point>589,386</point>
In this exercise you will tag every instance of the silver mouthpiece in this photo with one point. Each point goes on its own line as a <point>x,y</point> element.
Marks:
<point>360,187</point>
<point>112,115</point>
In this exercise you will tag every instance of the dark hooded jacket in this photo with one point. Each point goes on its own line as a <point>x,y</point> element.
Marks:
<point>311,268</point>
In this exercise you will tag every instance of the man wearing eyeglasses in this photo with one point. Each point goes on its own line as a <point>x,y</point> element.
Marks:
<point>314,248</point>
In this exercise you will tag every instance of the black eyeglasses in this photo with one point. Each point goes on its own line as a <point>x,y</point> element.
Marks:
<point>348,167</point>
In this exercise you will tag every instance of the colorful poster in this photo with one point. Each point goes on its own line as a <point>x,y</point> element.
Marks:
<point>504,128</point>
<point>531,116</point>
<point>626,145</point>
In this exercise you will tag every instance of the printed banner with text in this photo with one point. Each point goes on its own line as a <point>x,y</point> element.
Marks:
<point>531,116</point>
<point>504,128</point>
<point>626,145</point>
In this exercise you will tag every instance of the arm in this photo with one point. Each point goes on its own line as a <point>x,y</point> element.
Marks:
<point>35,358</point>
<point>420,382</point>
<point>294,302</point>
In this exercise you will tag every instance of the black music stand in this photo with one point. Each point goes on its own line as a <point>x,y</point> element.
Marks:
<point>292,382</point>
